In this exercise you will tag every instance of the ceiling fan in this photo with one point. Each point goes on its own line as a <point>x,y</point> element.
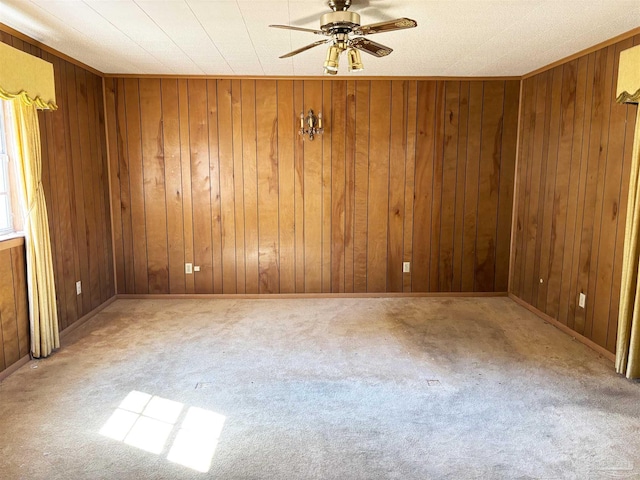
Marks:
<point>339,25</point>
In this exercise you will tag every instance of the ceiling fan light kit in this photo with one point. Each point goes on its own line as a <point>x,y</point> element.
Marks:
<point>339,25</point>
<point>355,62</point>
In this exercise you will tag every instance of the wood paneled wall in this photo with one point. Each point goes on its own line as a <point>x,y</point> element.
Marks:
<point>14,316</point>
<point>75,180</point>
<point>572,185</point>
<point>214,172</point>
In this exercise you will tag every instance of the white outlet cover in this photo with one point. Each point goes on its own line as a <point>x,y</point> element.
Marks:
<point>196,268</point>
<point>188,268</point>
<point>78,287</point>
<point>406,267</point>
<point>582,300</point>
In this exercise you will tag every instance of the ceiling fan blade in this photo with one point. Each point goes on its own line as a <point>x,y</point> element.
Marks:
<point>300,50</point>
<point>298,29</point>
<point>372,48</point>
<point>391,25</point>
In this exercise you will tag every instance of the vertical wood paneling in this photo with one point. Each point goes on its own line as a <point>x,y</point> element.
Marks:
<point>153,161</point>
<point>423,186</point>
<point>8,316</point>
<point>14,319</point>
<point>361,194</point>
<point>57,148</point>
<point>327,188</point>
<point>489,185</point>
<point>409,188</point>
<point>437,188</point>
<point>74,166</point>
<point>472,179</point>
<point>268,186</point>
<point>114,167</point>
<point>286,187</point>
<point>449,177</point>
<point>299,192</point>
<point>187,199</point>
<point>576,189</point>
<point>312,197</point>
<point>245,143</point>
<point>76,193</point>
<point>573,177</point>
<point>337,189</point>
<point>378,201</point>
<point>227,194</point>
<point>173,184</point>
<point>136,185</point>
<point>416,171</point>
<point>119,121</point>
<point>200,184</point>
<point>397,160</point>
<point>214,182</point>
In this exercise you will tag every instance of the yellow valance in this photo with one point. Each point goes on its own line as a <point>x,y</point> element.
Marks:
<point>629,76</point>
<point>27,77</point>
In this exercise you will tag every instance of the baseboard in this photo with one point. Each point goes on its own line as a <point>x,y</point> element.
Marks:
<point>64,333</point>
<point>24,360</point>
<point>562,327</point>
<point>11,369</point>
<point>281,296</point>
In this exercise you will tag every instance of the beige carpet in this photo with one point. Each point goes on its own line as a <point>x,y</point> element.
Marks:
<point>403,388</point>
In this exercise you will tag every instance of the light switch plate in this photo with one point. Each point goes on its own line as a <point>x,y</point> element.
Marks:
<point>582,300</point>
<point>188,268</point>
<point>406,267</point>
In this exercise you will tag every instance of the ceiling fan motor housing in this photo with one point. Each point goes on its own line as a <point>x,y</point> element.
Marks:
<point>339,22</point>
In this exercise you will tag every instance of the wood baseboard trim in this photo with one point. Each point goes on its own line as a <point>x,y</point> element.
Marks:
<point>13,368</point>
<point>563,328</point>
<point>64,333</point>
<point>281,296</point>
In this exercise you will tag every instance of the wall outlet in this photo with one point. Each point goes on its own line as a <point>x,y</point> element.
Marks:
<point>406,267</point>
<point>582,300</point>
<point>196,268</point>
<point>188,268</point>
<point>78,287</point>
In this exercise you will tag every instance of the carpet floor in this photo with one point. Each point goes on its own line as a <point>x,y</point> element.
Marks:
<point>386,388</point>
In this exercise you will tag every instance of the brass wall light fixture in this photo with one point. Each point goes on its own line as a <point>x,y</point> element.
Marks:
<point>311,124</point>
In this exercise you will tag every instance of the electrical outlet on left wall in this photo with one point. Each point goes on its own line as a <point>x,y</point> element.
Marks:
<point>78,287</point>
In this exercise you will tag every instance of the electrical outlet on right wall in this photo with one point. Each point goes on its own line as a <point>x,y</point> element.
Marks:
<point>582,300</point>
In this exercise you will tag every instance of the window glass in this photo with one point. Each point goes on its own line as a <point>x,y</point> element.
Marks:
<point>6,223</point>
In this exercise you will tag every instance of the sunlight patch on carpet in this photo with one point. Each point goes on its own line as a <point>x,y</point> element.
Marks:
<point>147,422</point>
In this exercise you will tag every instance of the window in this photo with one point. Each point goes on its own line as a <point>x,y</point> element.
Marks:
<point>8,202</point>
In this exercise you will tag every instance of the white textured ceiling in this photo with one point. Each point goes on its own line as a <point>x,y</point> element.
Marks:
<point>223,37</point>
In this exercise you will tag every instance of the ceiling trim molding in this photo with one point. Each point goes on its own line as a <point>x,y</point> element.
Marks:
<point>586,51</point>
<point>46,48</point>
<point>318,77</point>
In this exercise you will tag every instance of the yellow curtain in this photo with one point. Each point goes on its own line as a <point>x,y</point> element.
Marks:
<point>628,341</point>
<point>41,288</point>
